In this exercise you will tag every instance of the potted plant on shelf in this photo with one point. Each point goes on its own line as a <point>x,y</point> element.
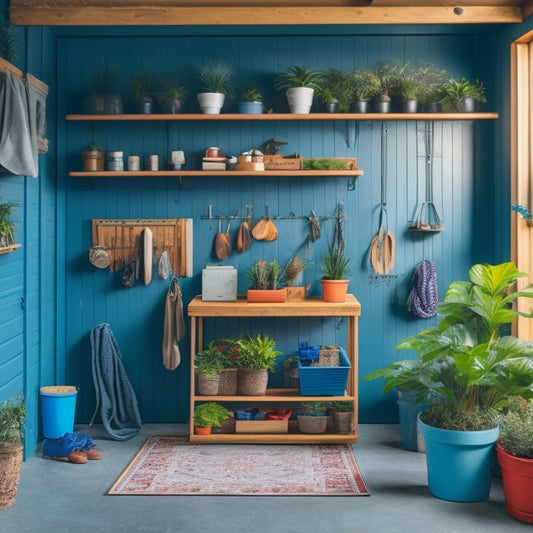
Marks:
<point>300,85</point>
<point>103,100</point>
<point>430,91</point>
<point>93,157</point>
<point>7,226</point>
<point>265,280</point>
<point>515,456</point>
<point>342,413</point>
<point>257,358</point>
<point>12,417</point>
<point>335,92</point>
<point>252,103</point>
<point>216,81</point>
<point>463,95</point>
<point>209,415</point>
<point>171,96</point>
<point>143,87</point>
<point>311,417</point>
<point>363,86</point>
<point>469,370</point>
<point>335,268</point>
<point>387,76</point>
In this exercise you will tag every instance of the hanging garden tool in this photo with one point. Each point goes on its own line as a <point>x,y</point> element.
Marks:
<point>383,246</point>
<point>426,215</point>
<point>339,223</point>
<point>265,230</point>
<point>314,227</point>
<point>222,242</point>
<point>244,238</point>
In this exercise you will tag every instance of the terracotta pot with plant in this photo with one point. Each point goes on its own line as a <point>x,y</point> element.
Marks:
<point>335,268</point>
<point>265,280</point>
<point>209,415</point>
<point>300,85</point>
<point>257,358</point>
<point>216,83</point>
<point>12,417</point>
<point>515,455</point>
<point>467,370</point>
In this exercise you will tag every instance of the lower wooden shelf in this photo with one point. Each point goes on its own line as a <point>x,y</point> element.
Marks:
<point>275,438</point>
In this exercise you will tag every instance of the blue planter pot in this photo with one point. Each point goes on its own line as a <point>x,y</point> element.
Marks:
<point>251,108</point>
<point>459,463</point>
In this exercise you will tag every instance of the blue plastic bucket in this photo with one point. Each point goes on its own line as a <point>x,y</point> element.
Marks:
<point>459,463</point>
<point>58,404</point>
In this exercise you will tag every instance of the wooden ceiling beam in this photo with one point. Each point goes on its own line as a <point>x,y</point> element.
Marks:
<point>527,9</point>
<point>120,13</point>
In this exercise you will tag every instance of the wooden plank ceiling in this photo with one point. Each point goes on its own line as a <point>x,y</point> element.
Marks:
<point>264,12</point>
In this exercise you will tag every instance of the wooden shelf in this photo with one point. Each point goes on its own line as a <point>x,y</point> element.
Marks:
<point>9,249</point>
<point>198,310</point>
<point>205,173</point>
<point>284,116</point>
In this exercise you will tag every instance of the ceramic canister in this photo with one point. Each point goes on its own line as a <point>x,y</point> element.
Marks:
<point>134,162</point>
<point>152,162</point>
<point>115,161</point>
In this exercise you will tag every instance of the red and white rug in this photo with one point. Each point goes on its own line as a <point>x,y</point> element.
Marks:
<point>169,465</point>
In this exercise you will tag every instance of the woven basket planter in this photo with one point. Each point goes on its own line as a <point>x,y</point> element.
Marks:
<point>253,382</point>
<point>312,424</point>
<point>343,422</point>
<point>208,386</point>
<point>10,465</point>
<point>228,382</point>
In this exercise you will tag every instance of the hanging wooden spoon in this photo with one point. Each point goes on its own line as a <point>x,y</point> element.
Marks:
<point>244,239</point>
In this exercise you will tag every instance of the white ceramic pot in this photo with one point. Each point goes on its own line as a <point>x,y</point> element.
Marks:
<point>300,100</point>
<point>211,103</point>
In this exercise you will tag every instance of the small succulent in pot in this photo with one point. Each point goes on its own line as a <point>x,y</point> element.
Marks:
<point>263,275</point>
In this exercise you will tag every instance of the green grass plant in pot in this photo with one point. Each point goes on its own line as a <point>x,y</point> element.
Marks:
<point>216,80</point>
<point>265,282</point>
<point>209,415</point>
<point>469,369</point>
<point>515,456</point>
<point>12,417</point>
<point>300,85</point>
<point>144,86</point>
<point>463,95</point>
<point>335,269</point>
<point>257,357</point>
<point>171,95</point>
<point>363,85</point>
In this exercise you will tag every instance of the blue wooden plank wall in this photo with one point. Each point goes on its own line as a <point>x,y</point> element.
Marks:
<point>93,296</point>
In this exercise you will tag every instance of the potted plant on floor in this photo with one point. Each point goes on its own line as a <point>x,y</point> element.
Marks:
<point>208,416</point>
<point>335,268</point>
<point>257,358</point>
<point>93,157</point>
<point>515,456</point>
<point>252,102</point>
<point>470,370</point>
<point>463,95</point>
<point>12,417</point>
<point>216,82</point>
<point>300,85</point>
<point>265,280</point>
<point>143,87</point>
<point>7,226</point>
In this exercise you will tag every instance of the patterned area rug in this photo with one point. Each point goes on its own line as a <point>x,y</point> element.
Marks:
<point>169,465</point>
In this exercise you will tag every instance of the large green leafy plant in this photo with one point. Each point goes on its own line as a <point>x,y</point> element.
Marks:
<point>467,368</point>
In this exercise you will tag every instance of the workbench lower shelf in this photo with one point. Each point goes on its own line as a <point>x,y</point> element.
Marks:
<point>274,438</point>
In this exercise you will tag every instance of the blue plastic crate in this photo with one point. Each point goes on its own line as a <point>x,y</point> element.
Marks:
<point>324,380</point>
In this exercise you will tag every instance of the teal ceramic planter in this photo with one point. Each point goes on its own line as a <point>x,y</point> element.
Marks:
<point>251,108</point>
<point>459,463</point>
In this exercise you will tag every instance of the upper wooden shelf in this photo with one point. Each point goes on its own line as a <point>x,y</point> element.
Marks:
<point>204,173</point>
<point>311,306</point>
<point>286,116</point>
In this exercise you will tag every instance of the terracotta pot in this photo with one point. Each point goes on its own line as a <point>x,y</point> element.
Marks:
<point>517,477</point>
<point>93,161</point>
<point>198,430</point>
<point>266,296</point>
<point>334,290</point>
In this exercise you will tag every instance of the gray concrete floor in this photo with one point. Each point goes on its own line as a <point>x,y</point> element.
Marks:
<point>61,497</point>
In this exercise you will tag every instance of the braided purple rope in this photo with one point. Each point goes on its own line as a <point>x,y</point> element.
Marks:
<point>424,296</point>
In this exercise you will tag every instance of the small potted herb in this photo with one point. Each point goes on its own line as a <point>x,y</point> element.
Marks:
<point>515,456</point>
<point>12,417</point>
<point>171,96</point>
<point>209,415</point>
<point>334,282</point>
<point>335,92</point>
<point>7,226</point>
<point>463,95</point>
<point>387,76</point>
<point>363,85</point>
<point>143,87</point>
<point>342,413</point>
<point>103,99</point>
<point>92,156</point>
<point>252,102</point>
<point>265,280</point>
<point>300,85</point>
